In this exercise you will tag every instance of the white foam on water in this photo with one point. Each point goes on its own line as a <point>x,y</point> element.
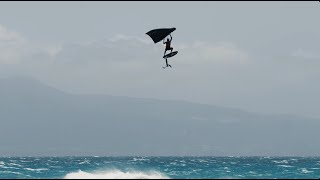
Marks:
<point>252,172</point>
<point>115,174</point>
<point>202,161</point>
<point>24,161</point>
<point>14,164</point>
<point>85,162</point>
<point>196,170</point>
<point>39,169</point>
<point>304,170</point>
<point>139,159</point>
<point>173,163</point>
<point>283,161</point>
<point>285,166</point>
<point>5,167</point>
<point>10,172</point>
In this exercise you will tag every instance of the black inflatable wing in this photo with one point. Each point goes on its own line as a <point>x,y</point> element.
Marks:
<point>159,34</point>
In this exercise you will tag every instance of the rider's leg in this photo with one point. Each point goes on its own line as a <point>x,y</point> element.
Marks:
<point>165,52</point>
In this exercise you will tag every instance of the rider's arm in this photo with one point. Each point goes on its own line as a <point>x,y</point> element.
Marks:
<point>170,37</point>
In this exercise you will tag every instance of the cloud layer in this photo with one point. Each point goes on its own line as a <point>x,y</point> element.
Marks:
<point>220,73</point>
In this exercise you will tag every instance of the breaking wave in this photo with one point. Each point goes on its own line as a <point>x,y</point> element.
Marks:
<point>115,174</point>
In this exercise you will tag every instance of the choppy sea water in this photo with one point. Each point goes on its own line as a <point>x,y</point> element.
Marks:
<point>160,167</point>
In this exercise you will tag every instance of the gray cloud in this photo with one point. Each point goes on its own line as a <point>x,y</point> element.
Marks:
<point>258,57</point>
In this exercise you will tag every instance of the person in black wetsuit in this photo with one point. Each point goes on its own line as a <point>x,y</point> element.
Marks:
<point>168,45</point>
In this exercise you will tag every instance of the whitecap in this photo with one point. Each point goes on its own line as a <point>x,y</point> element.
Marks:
<point>285,166</point>
<point>6,167</point>
<point>196,170</point>
<point>304,170</point>
<point>173,163</point>
<point>115,174</point>
<point>14,164</point>
<point>139,159</point>
<point>39,169</point>
<point>52,161</point>
<point>24,161</point>
<point>85,162</point>
<point>202,161</point>
<point>279,162</point>
<point>10,172</point>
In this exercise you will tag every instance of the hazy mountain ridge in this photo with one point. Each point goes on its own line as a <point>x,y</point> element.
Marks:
<point>39,120</point>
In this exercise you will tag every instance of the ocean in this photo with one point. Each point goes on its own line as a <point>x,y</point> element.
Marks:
<point>159,167</point>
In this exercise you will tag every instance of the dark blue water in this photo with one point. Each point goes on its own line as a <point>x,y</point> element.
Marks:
<point>160,167</point>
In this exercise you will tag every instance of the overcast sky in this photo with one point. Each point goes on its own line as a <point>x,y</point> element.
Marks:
<point>256,56</point>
